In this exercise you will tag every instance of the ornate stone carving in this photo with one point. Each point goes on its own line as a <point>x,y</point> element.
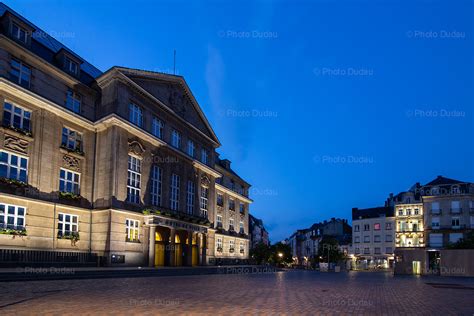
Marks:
<point>71,163</point>
<point>205,180</point>
<point>134,147</point>
<point>16,144</point>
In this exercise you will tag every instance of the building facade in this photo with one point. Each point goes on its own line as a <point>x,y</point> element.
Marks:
<point>373,238</point>
<point>119,165</point>
<point>448,215</point>
<point>232,239</point>
<point>258,233</point>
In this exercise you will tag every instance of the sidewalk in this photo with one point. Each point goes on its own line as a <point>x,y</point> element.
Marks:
<point>68,273</point>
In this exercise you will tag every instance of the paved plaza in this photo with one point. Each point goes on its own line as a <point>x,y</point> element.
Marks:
<point>291,293</point>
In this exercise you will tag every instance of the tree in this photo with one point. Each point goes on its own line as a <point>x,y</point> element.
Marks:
<point>261,253</point>
<point>329,246</point>
<point>281,254</point>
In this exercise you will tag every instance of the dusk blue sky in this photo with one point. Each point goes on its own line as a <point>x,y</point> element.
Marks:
<point>327,82</point>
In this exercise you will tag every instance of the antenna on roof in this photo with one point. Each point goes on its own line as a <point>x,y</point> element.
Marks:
<point>174,62</point>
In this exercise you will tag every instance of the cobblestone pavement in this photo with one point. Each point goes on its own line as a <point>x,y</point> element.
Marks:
<point>291,293</point>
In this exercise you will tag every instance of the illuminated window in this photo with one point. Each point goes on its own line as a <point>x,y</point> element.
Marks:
<point>377,226</point>
<point>132,231</point>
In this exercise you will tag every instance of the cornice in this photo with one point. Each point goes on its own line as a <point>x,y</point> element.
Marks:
<point>233,193</point>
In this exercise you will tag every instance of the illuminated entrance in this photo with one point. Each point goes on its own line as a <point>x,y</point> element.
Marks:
<point>159,250</point>
<point>178,251</point>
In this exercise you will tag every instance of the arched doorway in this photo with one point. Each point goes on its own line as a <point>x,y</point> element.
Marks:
<point>178,251</point>
<point>159,250</point>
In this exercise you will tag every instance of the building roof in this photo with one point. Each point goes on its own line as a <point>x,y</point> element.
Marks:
<point>440,180</point>
<point>373,212</point>
<point>46,40</point>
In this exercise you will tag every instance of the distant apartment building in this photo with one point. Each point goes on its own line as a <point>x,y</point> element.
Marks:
<point>305,242</point>
<point>232,236</point>
<point>439,214</point>
<point>258,233</point>
<point>373,237</point>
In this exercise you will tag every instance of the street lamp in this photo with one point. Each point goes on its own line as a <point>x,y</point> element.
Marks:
<point>280,255</point>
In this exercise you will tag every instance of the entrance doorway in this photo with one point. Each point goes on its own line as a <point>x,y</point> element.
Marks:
<point>416,265</point>
<point>178,251</point>
<point>159,250</point>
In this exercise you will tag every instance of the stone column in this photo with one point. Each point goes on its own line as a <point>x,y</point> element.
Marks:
<point>151,246</point>
<point>172,247</point>
<point>199,247</point>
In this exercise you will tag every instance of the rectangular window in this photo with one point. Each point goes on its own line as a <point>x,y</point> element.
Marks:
<point>357,250</point>
<point>12,217</point>
<point>388,226</point>
<point>435,223</point>
<point>388,238</point>
<point>73,101</point>
<point>377,226</point>
<point>19,33</point>
<point>13,167</point>
<point>231,224</point>
<point>204,200</point>
<point>68,225</point>
<point>388,250</point>
<point>377,250</point>
<point>356,228</point>
<point>176,139</point>
<point>174,201</point>
<point>220,199</point>
<point>417,211</point>
<point>436,240</point>
<point>135,115</point>
<point>366,239</point>
<point>69,181</point>
<point>377,238</point>
<point>219,244</point>
<point>157,127</point>
<point>242,208</point>
<point>71,140</point>
<point>17,117</point>
<point>400,212</point>
<point>241,227</point>
<point>156,180</point>
<point>242,248</point>
<point>231,246</point>
<point>190,197</point>
<point>20,73</point>
<point>435,208</point>
<point>219,221</point>
<point>191,148</point>
<point>204,156</point>
<point>134,180</point>
<point>455,207</point>
<point>356,239</point>
<point>408,212</point>
<point>455,223</point>
<point>455,237</point>
<point>366,251</point>
<point>132,231</point>
<point>366,227</point>
<point>231,204</point>
<point>70,66</point>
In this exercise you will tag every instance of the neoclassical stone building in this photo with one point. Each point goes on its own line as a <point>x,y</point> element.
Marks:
<point>117,166</point>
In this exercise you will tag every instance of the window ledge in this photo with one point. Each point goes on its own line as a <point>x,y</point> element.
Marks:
<point>17,132</point>
<point>74,153</point>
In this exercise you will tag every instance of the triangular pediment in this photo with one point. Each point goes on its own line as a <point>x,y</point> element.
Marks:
<point>175,94</point>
